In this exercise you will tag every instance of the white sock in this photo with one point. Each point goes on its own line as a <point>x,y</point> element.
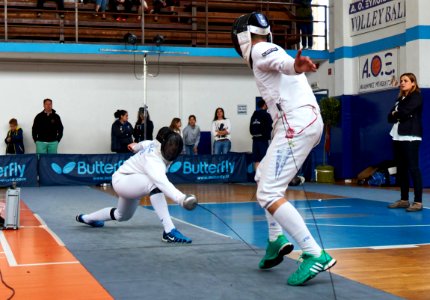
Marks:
<point>100,215</point>
<point>275,229</point>
<point>159,204</point>
<point>290,219</point>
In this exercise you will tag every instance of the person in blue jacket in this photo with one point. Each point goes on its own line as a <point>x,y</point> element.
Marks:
<point>14,139</point>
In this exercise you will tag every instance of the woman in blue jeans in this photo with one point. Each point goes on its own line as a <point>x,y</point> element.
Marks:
<point>221,129</point>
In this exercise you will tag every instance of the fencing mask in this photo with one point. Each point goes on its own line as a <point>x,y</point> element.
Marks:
<point>171,143</point>
<point>255,23</point>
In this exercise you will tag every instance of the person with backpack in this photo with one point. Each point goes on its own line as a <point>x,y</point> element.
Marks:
<point>260,128</point>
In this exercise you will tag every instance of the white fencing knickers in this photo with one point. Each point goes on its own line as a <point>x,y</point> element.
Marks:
<point>130,189</point>
<point>285,156</point>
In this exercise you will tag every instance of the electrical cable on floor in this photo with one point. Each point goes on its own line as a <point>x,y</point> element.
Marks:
<point>207,209</point>
<point>7,286</point>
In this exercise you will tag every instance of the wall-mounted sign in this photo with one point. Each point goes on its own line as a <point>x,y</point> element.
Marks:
<point>242,109</point>
<point>369,15</point>
<point>378,71</point>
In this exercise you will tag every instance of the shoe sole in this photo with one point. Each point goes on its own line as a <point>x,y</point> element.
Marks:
<point>95,224</point>
<point>285,250</point>
<point>327,267</point>
<point>173,242</point>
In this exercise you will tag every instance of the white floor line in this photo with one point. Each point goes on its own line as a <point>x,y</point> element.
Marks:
<point>49,263</point>
<point>385,247</point>
<point>202,228</point>
<point>369,226</point>
<point>54,236</point>
<point>394,247</point>
<point>7,250</point>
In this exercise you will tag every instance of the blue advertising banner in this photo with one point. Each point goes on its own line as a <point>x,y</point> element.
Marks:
<point>21,169</point>
<point>230,167</point>
<point>79,169</point>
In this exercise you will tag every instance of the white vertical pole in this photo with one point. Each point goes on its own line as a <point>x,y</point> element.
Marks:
<point>145,107</point>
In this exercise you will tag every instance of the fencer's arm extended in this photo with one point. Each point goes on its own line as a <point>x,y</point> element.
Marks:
<point>156,171</point>
<point>303,63</point>
<point>135,147</point>
<point>276,59</point>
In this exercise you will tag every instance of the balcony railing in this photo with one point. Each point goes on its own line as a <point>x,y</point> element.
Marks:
<point>204,23</point>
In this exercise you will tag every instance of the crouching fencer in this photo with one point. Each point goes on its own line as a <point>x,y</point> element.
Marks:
<point>145,174</point>
<point>297,128</point>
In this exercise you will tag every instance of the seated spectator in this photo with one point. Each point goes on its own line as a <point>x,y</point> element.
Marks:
<point>145,8</point>
<point>60,7</point>
<point>221,129</point>
<point>121,133</point>
<point>139,128</point>
<point>158,6</point>
<point>14,139</point>
<point>101,7</point>
<point>191,136</point>
<point>128,7</point>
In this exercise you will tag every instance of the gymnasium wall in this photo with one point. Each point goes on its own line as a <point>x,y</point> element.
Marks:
<point>363,139</point>
<point>86,95</point>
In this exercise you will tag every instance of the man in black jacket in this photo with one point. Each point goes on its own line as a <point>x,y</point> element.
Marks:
<point>47,129</point>
<point>260,128</point>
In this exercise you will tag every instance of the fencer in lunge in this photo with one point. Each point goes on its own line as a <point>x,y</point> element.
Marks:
<point>297,128</point>
<point>145,174</point>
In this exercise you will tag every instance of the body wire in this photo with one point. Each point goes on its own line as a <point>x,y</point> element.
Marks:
<point>288,131</point>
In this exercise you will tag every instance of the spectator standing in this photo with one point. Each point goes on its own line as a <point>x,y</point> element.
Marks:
<point>221,129</point>
<point>176,125</point>
<point>191,136</point>
<point>60,7</point>
<point>121,133</point>
<point>406,117</point>
<point>260,128</point>
<point>139,128</point>
<point>14,139</point>
<point>47,129</point>
<point>305,22</point>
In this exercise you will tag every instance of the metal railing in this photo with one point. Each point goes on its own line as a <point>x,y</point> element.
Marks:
<point>203,23</point>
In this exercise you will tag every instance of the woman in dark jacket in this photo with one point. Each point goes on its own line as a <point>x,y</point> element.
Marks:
<point>121,134</point>
<point>14,139</point>
<point>407,135</point>
<point>139,129</point>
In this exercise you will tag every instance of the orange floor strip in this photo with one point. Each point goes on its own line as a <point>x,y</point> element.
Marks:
<point>38,266</point>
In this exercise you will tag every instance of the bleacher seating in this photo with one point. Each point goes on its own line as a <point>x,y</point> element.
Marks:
<point>197,23</point>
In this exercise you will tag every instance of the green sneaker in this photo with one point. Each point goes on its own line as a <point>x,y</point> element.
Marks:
<point>275,252</point>
<point>310,267</point>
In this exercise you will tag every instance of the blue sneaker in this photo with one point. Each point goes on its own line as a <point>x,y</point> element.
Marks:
<point>175,236</point>
<point>91,223</point>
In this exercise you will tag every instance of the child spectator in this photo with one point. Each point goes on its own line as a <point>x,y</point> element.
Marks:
<point>14,139</point>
